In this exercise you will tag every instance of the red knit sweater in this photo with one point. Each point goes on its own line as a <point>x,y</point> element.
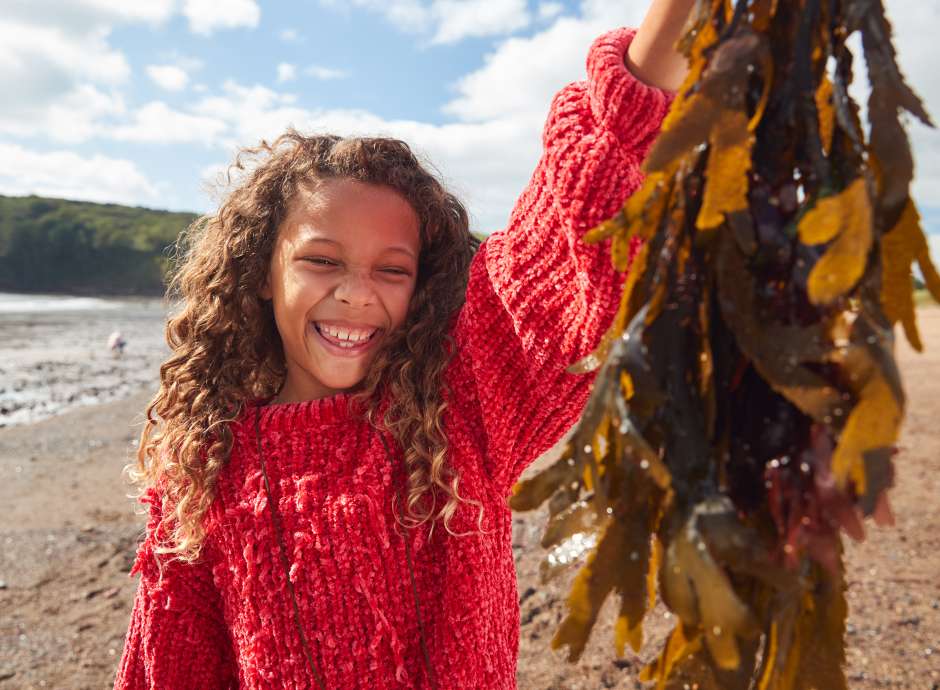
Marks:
<point>538,299</point>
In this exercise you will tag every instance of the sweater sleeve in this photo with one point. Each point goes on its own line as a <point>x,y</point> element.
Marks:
<point>177,637</point>
<point>538,298</point>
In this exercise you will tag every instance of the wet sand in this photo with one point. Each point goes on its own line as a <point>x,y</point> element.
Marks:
<point>68,534</point>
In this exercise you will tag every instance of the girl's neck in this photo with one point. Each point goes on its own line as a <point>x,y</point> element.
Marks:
<point>298,394</point>
<point>292,395</point>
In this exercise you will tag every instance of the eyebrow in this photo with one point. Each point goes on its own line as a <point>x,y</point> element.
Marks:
<point>396,248</point>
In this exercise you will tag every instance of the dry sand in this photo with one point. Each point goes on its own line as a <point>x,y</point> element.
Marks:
<point>68,535</point>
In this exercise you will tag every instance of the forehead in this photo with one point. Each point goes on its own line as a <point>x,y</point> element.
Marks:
<point>352,214</point>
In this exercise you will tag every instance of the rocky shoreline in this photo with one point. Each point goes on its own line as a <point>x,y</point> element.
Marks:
<point>56,357</point>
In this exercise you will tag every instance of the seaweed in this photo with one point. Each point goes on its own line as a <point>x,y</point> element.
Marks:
<point>747,401</point>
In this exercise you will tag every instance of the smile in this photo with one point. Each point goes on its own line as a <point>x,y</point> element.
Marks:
<point>351,343</point>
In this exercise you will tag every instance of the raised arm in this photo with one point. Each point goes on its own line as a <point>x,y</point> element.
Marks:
<point>652,57</point>
<point>176,637</point>
<point>538,298</point>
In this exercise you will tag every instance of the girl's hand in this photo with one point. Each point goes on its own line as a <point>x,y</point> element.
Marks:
<point>652,56</point>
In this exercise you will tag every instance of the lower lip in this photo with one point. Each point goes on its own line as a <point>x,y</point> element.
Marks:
<point>345,351</point>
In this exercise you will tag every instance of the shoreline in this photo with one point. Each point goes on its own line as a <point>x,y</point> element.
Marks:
<point>54,353</point>
<point>93,294</point>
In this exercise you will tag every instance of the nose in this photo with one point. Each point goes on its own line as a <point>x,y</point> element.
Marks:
<point>355,289</point>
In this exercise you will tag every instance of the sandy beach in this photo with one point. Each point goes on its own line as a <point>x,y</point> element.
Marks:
<point>68,534</point>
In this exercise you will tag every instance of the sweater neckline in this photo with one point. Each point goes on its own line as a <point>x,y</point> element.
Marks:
<point>333,409</point>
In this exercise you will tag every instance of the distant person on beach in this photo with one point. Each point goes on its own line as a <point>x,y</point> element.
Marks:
<point>116,344</point>
<point>357,382</point>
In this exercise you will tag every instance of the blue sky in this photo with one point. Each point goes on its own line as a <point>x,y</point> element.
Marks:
<point>145,102</point>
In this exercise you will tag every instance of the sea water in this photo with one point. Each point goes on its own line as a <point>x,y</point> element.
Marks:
<point>13,303</point>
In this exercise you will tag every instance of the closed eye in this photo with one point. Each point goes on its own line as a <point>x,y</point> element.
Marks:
<point>325,262</point>
<point>318,261</point>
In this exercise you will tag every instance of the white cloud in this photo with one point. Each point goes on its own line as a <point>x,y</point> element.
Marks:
<point>48,47</point>
<point>485,164</point>
<point>286,72</point>
<point>251,113</point>
<point>151,11</point>
<point>169,77</point>
<point>325,73</point>
<point>460,19</point>
<point>409,15</point>
<point>82,16</point>
<point>156,122</point>
<point>549,10</point>
<point>74,117</point>
<point>207,16</point>
<point>516,78</point>
<point>79,115</point>
<point>289,35</point>
<point>39,62</point>
<point>58,68</point>
<point>69,175</point>
<point>56,57</point>
<point>447,21</point>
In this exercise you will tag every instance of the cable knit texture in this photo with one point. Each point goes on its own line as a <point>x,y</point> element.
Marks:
<point>538,299</point>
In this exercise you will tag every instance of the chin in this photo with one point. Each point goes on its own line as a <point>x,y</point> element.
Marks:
<point>342,383</point>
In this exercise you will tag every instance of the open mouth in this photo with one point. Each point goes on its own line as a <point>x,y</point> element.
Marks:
<point>346,345</point>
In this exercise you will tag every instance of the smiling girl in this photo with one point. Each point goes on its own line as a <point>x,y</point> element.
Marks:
<point>339,237</point>
<point>356,383</point>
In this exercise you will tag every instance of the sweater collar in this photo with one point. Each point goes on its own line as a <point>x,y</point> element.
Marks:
<point>334,409</point>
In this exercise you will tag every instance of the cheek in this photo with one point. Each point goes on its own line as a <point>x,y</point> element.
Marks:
<point>295,295</point>
<point>401,304</point>
<point>304,286</point>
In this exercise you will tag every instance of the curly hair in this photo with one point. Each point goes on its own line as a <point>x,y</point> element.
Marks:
<point>226,348</point>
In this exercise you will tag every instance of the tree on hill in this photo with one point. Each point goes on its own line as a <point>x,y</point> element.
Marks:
<point>55,245</point>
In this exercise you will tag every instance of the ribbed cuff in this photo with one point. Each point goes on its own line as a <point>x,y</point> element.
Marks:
<point>621,103</point>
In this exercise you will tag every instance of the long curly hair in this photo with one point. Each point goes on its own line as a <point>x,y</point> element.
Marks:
<point>225,345</point>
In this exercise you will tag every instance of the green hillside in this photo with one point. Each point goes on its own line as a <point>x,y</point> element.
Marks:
<point>76,247</point>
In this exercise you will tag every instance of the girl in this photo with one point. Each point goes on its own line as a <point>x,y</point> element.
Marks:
<point>351,368</point>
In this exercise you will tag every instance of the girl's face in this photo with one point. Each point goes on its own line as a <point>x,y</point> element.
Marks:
<point>342,273</point>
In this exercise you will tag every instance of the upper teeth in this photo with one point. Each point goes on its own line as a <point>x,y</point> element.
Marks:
<point>345,334</point>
